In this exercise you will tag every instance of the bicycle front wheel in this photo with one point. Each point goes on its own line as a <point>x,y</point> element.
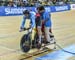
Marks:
<point>25,43</point>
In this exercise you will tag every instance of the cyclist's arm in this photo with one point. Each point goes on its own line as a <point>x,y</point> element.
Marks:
<point>23,23</point>
<point>33,21</point>
<point>46,17</point>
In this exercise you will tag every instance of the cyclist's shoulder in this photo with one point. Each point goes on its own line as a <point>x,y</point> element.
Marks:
<point>46,12</point>
<point>32,13</point>
<point>24,17</point>
<point>38,15</point>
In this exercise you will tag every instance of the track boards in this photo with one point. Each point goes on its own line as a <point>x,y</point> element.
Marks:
<point>36,52</point>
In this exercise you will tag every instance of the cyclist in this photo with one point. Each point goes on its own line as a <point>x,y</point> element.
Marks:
<point>38,24</point>
<point>28,15</point>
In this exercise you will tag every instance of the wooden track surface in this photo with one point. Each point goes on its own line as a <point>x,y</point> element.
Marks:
<point>63,29</point>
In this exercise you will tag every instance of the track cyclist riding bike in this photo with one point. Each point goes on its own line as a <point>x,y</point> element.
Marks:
<point>28,17</point>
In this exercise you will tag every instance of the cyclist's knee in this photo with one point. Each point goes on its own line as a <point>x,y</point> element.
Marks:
<point>46,30</point>
<point>39,30</point>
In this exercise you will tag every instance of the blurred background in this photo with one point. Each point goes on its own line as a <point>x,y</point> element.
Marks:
<point>26,3</point>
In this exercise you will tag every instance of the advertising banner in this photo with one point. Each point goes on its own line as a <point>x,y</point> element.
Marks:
<point>12,11</point>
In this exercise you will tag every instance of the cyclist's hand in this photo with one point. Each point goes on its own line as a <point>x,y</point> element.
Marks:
<point>30,29</point>
<point>20,30</point>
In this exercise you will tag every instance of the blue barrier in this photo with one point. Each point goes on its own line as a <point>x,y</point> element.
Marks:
<point>59,54</point>
<point>11,11</point>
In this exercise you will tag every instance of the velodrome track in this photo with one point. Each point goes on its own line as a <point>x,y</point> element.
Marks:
<point>63,29</point>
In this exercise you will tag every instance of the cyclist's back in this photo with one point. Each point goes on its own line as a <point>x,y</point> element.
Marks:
<point>30,16</point>
<point>38,20</point>
<point>47,18</point>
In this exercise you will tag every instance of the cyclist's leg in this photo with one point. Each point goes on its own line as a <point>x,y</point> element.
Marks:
<point>38,26</point>
<point>39,33</point>
<point>47,33</point>
<point>33,38</point>
<point>33,33</point>
<point>49,36</point>
<point>50,30</point>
